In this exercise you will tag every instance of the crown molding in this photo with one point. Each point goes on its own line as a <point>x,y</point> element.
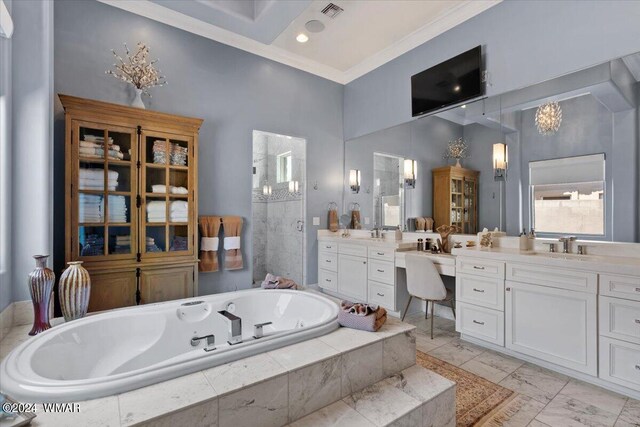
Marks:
<point>175,19</point>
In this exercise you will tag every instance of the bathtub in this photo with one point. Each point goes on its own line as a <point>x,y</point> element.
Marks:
<point>124,349</point>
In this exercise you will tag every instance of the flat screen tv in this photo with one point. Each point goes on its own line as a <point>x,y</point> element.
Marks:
<point>450,82</point>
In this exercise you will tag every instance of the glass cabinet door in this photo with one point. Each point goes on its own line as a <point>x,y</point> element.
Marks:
<point>104,212</point>
<point>167,188</point>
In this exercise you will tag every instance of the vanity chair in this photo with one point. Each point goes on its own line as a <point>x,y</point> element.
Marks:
<point>424,282</point>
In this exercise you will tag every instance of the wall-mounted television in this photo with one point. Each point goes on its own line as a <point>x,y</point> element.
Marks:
<point>448,83</point>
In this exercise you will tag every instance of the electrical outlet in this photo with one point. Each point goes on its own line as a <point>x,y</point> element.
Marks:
<point>316,220</point>
<point>367,221</point>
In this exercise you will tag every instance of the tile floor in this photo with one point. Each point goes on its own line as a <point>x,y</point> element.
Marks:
<point>547,398</point>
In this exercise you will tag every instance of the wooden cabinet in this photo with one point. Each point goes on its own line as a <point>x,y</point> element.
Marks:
<point>455,198</point>
<point>131,201</point>
<point>556,325</point>
<point>352,276</point>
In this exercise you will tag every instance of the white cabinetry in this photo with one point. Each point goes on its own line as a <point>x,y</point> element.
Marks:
<point>352,276</point>
<point>556,325</point>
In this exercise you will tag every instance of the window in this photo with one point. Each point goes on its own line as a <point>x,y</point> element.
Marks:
<point>567,195</point>
<point>283,165</point>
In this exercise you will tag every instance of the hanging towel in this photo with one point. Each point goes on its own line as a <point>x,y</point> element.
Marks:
<point>209,229</point>
<point>333,220</point>
<point>355,220</point>
<point>233,255</point>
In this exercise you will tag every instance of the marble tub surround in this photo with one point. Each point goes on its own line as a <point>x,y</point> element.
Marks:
<point>276,387</point>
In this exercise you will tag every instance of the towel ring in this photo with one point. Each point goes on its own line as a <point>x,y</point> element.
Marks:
<point>332,206</point>
<point>355,206</point>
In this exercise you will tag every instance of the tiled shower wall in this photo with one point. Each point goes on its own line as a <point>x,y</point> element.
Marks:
<point>278,230</point>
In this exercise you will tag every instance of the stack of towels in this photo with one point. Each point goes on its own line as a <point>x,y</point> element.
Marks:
<point>117,209</point>
<point>122,245</point>
<point>151,245</point>
<point>179,243</point>
<point>158,188</point>
<point>90,208</point>
<point>366,317</point>
<point>93,179</point>
<point>179,211</point>
<point>177,155</point>
<point>157,211</point>
<point>92,146</point>
<point>271,281</point>
<point>93,246</point>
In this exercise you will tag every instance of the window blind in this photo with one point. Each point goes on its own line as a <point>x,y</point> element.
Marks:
<point>567,170</point>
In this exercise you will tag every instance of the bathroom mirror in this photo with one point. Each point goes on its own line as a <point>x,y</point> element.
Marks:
<point>388,191</point>
<point>551,131</point>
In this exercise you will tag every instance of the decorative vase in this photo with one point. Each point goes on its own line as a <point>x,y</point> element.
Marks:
<point>458,165</point>
<point>137,101</point>
<point>74,289</point>
<point>41,282</point>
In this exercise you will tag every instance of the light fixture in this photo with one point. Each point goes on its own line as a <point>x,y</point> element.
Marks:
<point>456,88</point>
<point>463,106</point>
<point>266,190</point>
<point>302,38</point>
<point>293,186</point>
<point>354,180</point>
<point>500,161</point>
<point>410,172</point>
<point>548,118</point>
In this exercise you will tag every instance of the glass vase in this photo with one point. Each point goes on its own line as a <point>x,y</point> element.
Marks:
<point>74,290</point>
<point>41,282</point>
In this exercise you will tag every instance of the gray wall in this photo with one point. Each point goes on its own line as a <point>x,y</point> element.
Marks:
<point>424,140</point>
<point>525,42</point>
<point>233,91</point>
<point>6,290</point>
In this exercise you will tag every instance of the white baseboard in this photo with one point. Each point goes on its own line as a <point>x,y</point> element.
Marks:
<point>6,320</point>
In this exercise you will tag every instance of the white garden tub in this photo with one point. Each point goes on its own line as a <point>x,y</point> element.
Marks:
<point>125,349</point>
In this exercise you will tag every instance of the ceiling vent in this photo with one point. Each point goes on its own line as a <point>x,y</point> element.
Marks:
<point>332,10</point>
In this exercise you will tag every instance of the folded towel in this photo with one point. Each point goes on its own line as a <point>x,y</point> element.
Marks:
<point>158,188</point>
<point>358,309</point>
<point>89,144</point>
<point>96,138</point>
<point>178,190</point>
<point>156,205</point>
<point>97,173</point>
<point>179,205</point>
<point>371,322</point>
<point>277,282</point>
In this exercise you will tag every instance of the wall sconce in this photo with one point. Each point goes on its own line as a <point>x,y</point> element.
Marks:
<point>354,180</point>
<point>410,173</point>
<point>266,190</point>
<point>500,161</point>
<point>293,186</point>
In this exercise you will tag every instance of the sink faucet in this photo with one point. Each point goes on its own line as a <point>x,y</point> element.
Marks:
<point>235,327</point>
<point>566,243</point>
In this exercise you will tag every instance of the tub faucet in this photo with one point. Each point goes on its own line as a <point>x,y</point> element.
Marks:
<point>235,327</point>
<point>211,342</point>
<point>258,332</point>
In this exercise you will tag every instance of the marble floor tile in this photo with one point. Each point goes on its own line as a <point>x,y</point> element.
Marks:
<point>594,395</point>
<point>399,352</point>
<point>485,371</point>
<point>361,368</point>
<point>336,414</point>
<point>314,387</point>
<point>302,354</point>
<point>345,339</point>
<point>563,411</point>
<point>533,381</point>
<point>236,375</point>
<point>95,413</point>
<point>425,344</point>
<point>149,402</point>
<point>16,336</point>
<point>203,415</point>
<point>412,419</point>
<point>520,411</point>
<point>266,403</point>
<point>420,383</point>
<point>536,423</point>
<point>499,361</point>
<point>457,352</point>
<point>630,415</point>
<point>382,403</point>
<point>394,326</point>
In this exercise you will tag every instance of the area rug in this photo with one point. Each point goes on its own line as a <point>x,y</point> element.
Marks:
<point>476,397</point>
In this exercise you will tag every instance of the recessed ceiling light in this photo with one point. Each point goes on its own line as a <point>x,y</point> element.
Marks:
<point>464,106</point>
<point>456,88</point>
<point>314,26</point>
<point>302,38</point>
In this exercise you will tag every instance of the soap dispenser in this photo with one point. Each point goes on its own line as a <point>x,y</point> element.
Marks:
<point>524,241</point>
<point>398,234</point>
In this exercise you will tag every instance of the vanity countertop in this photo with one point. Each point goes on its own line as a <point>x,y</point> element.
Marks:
<point>368,241</point>
<point>596,263</point>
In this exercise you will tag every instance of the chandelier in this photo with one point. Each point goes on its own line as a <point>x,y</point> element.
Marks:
<point>548,118</point>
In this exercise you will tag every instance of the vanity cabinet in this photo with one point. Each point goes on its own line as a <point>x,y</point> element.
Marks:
<point>552,324</point>
<point>352,276</point>
<point>455,198</point>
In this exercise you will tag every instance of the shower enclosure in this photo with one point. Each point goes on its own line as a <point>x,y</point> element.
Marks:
<point>278,202</point>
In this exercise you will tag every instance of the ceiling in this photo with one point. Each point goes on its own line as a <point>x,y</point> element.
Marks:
<point>367,34</point>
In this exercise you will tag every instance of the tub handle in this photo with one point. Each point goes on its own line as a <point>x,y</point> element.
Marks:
<point>257,329</point>
<point>211,341</point>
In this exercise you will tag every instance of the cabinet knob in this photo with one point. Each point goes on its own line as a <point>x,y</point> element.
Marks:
<point>637,289</point>
<point>637,320</point>
<point>478,290</point>
<point>379,294</point>
<point>508,289</point>
<point>478,323</point>
<point>638,367</point>
<point>364,262</point>
<point>380,271</point>
<point>478,268</point>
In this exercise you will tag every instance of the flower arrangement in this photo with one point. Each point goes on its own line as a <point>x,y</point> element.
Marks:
<point>137,69</point>
<point>457,149</point>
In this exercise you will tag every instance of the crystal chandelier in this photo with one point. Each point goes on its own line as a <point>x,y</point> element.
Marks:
<point>548,118</point>
<point>457,149</point>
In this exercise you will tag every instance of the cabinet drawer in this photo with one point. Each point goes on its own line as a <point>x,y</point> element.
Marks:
<point>480,267</point>
<point>328,279</point>
<point>554,277</point>
<point>620,319</point>
<point>328,247</point>
<point>479,290</point>
<point>620,286</point>
<point>479,322</point>
<point>382,271</point>
<point>355,250</point>
<point>382,254</point>
<point>620,362</point>
<point>382,294</point>
<point>328,261</point>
